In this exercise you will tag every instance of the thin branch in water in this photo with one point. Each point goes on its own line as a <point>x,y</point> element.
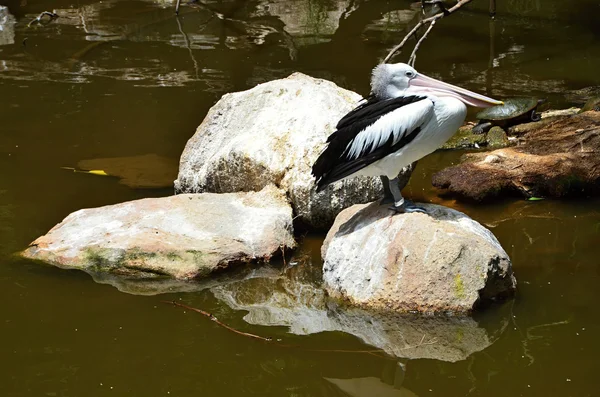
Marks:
<point>445,12</point>
<point>216,320</point>
<point>492,8</point>
<point>379,353</point>
<point>188,44</point>
<point>177,7</point>
<point>413,55</point>
<point>38,19</point>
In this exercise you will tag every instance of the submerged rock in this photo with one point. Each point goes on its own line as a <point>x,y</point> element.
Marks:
<point>556,158</point>
<point>272,134</point>
<point>299,303</point>
<point>186,236</point>
<point>442,261</point>
<point>146,171</point>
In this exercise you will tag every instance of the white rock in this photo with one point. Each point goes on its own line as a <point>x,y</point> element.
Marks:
<point>185,236</point>
<point>442,261</point>
<point>273,133</point>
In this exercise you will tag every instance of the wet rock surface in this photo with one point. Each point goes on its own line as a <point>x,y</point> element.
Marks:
<point>465,138</point>
<point>272,134</point>
<point>556,157</point>
<point>183,237</point>
<point>442,261</point>
<point>294,299</point>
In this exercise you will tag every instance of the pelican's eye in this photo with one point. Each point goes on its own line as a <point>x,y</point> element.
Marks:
<point>409,74</point>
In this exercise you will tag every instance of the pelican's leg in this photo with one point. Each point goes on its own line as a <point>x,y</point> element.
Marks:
<point>402,205</point>
<point>388,197</point>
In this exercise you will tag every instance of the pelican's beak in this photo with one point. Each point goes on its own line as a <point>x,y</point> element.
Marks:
<point>422,83</point>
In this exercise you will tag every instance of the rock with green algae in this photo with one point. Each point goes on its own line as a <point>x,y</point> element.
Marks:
<point>592,104</point>
<point>465,138</point>
<point>496,137</point>
<point>184,237</point>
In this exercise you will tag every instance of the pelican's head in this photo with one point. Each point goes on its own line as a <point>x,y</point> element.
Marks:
<point>399,79</point>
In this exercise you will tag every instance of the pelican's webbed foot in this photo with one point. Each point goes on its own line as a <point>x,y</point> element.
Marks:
<point>407,207</point>
<point>392,195</point>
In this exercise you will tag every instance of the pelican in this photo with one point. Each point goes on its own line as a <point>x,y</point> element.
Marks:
<point>407,116</point>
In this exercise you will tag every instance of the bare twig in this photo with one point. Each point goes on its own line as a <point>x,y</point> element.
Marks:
<point>413,55</point>
<point>213,318</point>
<point>38,19</point>
<point>422,22</point>
<point>177,7</point>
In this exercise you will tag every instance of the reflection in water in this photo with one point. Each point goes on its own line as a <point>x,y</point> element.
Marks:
<point>7,29</point>
<point>314,30</point>
<point>369,387</point>
<point>296,301</point>
<point>307,21</point>
<point>166,285</point>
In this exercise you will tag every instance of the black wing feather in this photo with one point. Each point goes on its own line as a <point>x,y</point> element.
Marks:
<point>332,165</point>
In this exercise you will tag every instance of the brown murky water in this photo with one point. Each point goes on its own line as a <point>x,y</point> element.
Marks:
<point>127,79</point>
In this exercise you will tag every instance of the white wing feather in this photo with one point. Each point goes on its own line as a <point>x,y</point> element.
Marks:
<point>399,122</point>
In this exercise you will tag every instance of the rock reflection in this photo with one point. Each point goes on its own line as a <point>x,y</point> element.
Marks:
<point>7,26</point>
<point>294,299</point>
<point>368,387</point>
<point>156,285</point>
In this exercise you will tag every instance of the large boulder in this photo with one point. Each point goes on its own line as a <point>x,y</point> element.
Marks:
<point>272,134</point>
<point>442,261</point>
<point>557,157</point>
<point>184,237</point>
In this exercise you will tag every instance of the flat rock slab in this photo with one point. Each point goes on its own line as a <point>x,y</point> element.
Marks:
<point>557,157</point>
<point>272,134</point>
<point>442,261</point>
<point>184,237</point>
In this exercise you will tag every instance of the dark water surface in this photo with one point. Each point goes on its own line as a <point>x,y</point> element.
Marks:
<point>125,78</point>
